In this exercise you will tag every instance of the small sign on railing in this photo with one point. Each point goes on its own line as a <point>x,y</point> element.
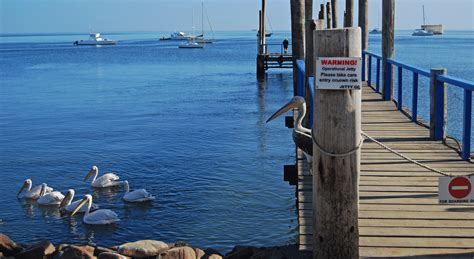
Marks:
<point>338,73</point>
<point>459,189</point>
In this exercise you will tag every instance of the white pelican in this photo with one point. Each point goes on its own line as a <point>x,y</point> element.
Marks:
<point>139,195</point>
<point>51,198</point>
<point>69,206</point>
<point>301,135</point>
<point>98,217</point>
<point>106,180</point>
<point>31,193</point>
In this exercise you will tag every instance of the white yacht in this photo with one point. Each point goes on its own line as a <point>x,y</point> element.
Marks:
<point>421,32</point>
<point>178,36</point>
<point>95,39</point>
<point>191,45</point>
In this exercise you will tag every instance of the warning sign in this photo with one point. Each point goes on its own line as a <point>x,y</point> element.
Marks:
<point>457,189</point>
<point>338,73</point>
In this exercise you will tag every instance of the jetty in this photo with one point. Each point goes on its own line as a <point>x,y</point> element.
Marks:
<point>372,187</point>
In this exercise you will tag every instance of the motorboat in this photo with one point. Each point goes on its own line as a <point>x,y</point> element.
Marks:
<point>376,31</point>
<point>178,36</point>
<point>421,32</point>
<point>191,45</point>
<point>95,39</point>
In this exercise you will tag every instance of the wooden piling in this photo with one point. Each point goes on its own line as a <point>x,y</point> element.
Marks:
<point>297,36</point>
<point>328,15</point>
<point>309,62</point>
<point>349,14</point>
<point>364,26</point>
<point>337,129</point>
<point>388,50</point>
<point>260,58</point>
<point>322,12</point>
<point>334,13</point>
<point>438,105</point>
<point>263,30</point>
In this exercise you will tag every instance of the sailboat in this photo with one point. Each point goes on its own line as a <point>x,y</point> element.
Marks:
<point>377,30</point>
<point>191,44</point>
<point>422,31</point>
<point>268,34</point>
<point>200,38</point>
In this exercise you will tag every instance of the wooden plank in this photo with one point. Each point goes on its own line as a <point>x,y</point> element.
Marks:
<point>370,251</point>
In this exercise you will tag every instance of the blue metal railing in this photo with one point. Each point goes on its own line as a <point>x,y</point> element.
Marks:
<point>468,87</point>
<point>300,87</point>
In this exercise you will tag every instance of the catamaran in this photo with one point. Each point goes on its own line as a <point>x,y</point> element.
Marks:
<point>422,31</point>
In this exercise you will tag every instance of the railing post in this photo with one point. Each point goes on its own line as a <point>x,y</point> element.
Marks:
<point>438,105</point>
<point>369,72</point>
<point>388,84</point>
<point>400,92</point>
<point>414,106</point>
<point>363,66</point>
<point>466,134</point>
<point>388,30</point>
<point>377,77</point>
<point>336,178</point>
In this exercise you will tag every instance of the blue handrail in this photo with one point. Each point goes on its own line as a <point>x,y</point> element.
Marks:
<point>468,87</point>
<point>300,88</point>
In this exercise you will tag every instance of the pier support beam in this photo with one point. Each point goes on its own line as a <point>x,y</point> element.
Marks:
<point>364,26</point>
<point>328,15</point>
<point>438,105</point>
<point>349,14</point>
<point>309,62</point>
<point>388,51</point>
<point>297,36</point>
<point>322,12</point>
<point>337,130</point>
<point>334,14</point>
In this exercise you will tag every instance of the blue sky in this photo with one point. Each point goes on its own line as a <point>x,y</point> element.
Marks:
<point>36,16</point>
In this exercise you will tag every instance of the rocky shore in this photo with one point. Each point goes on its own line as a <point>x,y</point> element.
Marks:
<point>139,249</point>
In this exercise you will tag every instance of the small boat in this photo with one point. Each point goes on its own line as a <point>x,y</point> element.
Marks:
<point>95,39</point>
<point>376,31</point>
<point>421,32</point>
<point>178,36</point>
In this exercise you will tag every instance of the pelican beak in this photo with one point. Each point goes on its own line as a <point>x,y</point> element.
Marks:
<point>21,189</point>
<point>290,105</point>
<point>89,174</point>
<point>79,206</point>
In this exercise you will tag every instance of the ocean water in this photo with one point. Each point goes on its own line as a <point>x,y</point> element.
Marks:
<point>186,124</point>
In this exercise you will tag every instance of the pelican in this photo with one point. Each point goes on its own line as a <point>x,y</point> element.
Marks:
<point>51,198</point>
<point>98,217</point>
<point>69,206</point>
<point>301,135</point>
<point>139,195</point>
<point>31,193</point>
<point>106,180</point>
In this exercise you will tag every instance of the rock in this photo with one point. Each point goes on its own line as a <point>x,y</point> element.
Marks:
<point>38,250</point>
<point>111,255</point>
<point>143,248</point>
<point>212,254</point>
<point>183,252</point>
<point>241,252</point>
<point>7,246</point>
<point>77,252</point>
<point>269,254</point>
<point>180,243</point>
<point>199,253</point>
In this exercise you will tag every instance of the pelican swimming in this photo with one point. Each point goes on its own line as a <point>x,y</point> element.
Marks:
<point>69,206</point>
<point>51,198</point>
<point>139,195</point>
<point>301,135</point>
<point>106,180</point>
<point>31,193</point>
<point>98,217</point>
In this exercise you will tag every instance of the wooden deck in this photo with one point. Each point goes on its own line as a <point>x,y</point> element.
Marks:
<point>399,213</point>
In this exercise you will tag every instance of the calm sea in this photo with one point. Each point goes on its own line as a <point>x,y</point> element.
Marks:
<point>186,124</point>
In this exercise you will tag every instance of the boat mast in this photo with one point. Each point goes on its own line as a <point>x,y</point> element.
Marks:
<point>202,18</point>
<point>424,15</point>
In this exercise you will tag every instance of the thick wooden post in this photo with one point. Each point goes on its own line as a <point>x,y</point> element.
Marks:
<point>260,58</point>
<point>322,12</point>
<point>388,50</point>
<point>349,14</point>
<point>328,15</point>
<point>334,13</point>
<point>309,62</point>
<point>364,26</point>
<point>438,105</point>
<point>297,36</point>
<point>337,130</point>
<point>263,31</point>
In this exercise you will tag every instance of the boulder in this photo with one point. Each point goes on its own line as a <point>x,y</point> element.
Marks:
<point>7,246</point>
<point>38,250</point>
<point>199,253</point>
<point>142,248</point>
<point>77,252</point>
<point>99,250</point>
<point>182,252</point>
<point>111,255</point>
<point>180,243</point>
<point>241,252</point>
<point>212,254</point>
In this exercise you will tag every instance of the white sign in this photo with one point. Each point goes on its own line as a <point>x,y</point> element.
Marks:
<point>456,189</point>
<point>338,73</point>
